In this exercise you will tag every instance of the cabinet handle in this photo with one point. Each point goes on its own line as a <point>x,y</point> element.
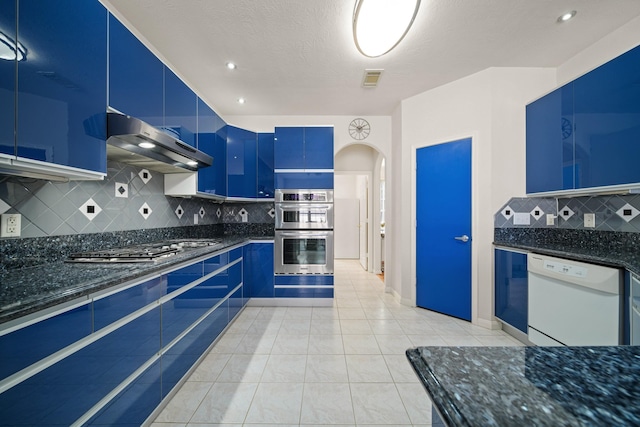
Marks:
<point>464,238</point>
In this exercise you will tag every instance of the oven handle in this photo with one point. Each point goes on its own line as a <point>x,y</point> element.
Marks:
<point>296,206</point>
<point>305,233</point>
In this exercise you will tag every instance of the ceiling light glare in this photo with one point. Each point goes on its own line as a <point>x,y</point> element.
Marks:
<point>231,66</point>
<point>10,50</point>
<point>379,25</point>
<point>565,17</point>
<point>146,145</point>
<point>241,100</point>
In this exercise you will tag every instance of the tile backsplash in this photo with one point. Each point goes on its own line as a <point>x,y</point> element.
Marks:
<point>619,213</point>
<point>128,199</point>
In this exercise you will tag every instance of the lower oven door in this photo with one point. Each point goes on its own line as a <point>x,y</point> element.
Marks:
<point>303,252</point>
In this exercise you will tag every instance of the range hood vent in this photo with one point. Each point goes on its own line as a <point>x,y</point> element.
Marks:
<point>166,154</point>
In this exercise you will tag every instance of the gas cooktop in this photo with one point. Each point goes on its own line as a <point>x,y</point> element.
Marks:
<point>147,252</point>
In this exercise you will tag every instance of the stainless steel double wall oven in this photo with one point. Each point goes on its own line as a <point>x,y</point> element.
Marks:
<point>304,232</point>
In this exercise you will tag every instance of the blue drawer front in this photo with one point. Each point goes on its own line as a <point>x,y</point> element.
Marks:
<point>236,302</point>
<point>304,292</point>
<point>179,359</point>
<point>133,405</point>
<point>26,346</point>
<point>114,307</point>
<point>65,391</point>
<point>300,279</point>
<point>214,263</point>
<point>184,276</point>
<point>308,180</point>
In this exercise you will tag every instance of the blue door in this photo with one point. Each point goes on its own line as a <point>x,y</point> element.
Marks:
<point>443,231</point>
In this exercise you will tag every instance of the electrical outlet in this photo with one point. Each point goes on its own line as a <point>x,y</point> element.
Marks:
<point>551,219</point>
<point>589,220</point>
<point>10,225</point>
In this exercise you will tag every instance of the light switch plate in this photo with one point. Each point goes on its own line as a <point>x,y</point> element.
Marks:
<point>520,218</point>
<point>589,220</point>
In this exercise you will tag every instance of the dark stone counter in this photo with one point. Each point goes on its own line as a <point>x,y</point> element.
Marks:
<point>621,250</point>
<point>28,290</point>
<point>531,386</point>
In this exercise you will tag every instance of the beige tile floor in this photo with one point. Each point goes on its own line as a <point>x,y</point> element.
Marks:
<point>340,366</point>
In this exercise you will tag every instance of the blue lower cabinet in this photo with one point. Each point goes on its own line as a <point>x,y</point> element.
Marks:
<point>177,360</point>
<point>258,270</point>
<point>28,345</point>
<point>114,307</point>
<point>135,403</point>
<point>236,302</point>
<point>183,276</point>
<point>307,180</point>
<point>511,288</point>
<point>303,286</point>
<point>65,391</point>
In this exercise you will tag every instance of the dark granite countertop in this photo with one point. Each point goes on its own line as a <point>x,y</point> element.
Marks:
<point>621,250</point>
<point>28,290</point>
<point>527,386</point>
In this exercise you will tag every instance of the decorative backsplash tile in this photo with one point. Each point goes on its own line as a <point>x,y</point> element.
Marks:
<point>128,199</point>
<point>612,212</point>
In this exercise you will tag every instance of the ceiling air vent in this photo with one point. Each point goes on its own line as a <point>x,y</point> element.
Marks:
<point>371,78</point>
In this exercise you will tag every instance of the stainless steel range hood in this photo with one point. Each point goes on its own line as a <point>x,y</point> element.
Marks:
<point>166,154</point>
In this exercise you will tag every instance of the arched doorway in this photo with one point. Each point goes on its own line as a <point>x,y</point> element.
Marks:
<point>359,205</point>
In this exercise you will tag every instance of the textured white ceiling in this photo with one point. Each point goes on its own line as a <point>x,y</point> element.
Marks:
<point>297,57</point>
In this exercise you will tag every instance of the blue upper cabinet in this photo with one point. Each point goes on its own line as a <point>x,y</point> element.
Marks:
<point>586,134</point>
<point>62,80</point>
<point>318,148</point>
<point>8,18</point>
<point>241,163</point>
<point>289,148</point>
<point>213,141</point>
<point>265,166</point>
<point>550,164</point>
<point>136,76</point>
<point>303,148</point>
<point>607,123</point>
<point>180,108</point>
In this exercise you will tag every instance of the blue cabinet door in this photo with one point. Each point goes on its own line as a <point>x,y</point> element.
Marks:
<point>212,140</point>
<point>511,288</point>
<point>607,129</point>
<point>550,163</point>
<point>61,89</point>
<point>8,81</point>
<point>265,165</point>
<point>289,148</point>
<point>136,76</point>
<point>258,270</point>
<point>241,162</point>
<point>318,148</point>
<point>180,108</point>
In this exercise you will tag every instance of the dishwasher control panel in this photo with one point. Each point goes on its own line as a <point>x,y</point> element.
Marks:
<point>562,268</point>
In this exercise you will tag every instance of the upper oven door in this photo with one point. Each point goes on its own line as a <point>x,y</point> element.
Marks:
<point>304,216</point>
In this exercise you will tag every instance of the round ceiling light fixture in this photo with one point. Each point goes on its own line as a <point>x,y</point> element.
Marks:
<point>10,50</point>
<point>241,100</point>
<point>566,16</point>
<point>231,66</point>
<point>379,25</point>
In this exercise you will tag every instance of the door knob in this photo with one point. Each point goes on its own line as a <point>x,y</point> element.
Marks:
<point>463,238</point>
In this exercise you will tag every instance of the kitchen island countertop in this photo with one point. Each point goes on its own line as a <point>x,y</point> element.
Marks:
<point>29,290</point>
<point>541,386</point>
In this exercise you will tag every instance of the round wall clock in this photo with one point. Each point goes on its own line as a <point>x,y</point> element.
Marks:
<point>359,129</point>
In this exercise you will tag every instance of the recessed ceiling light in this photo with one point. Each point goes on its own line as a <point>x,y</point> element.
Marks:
<point>566,16</point>
<point>241,100</point>
<point>231,66</point>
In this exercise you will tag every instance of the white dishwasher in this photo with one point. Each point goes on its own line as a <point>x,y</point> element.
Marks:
<point>573,303</point>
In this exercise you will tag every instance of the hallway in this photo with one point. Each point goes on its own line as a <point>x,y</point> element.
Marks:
<point>342,365</point>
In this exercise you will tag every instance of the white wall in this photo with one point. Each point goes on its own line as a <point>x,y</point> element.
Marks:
<point>489,107</point>
<point>345,186</point>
